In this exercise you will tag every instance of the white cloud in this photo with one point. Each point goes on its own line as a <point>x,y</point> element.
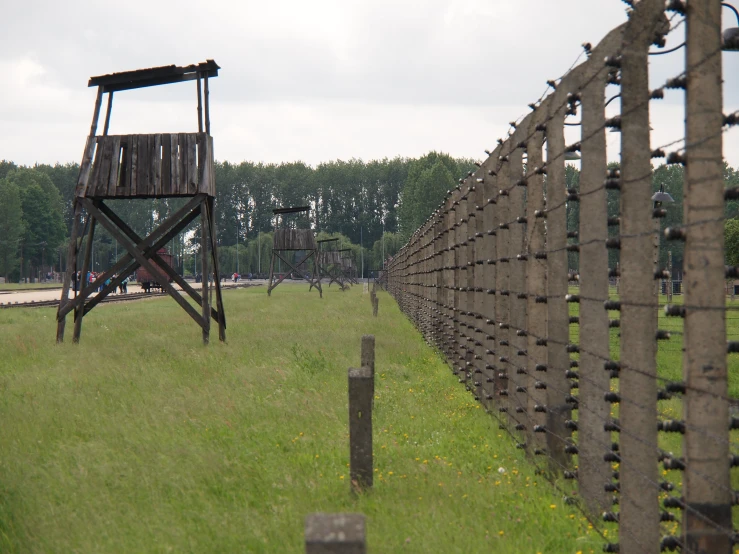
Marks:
<point>311,80</point>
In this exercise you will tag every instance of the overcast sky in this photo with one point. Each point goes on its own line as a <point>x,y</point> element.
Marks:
<point>310,80</point>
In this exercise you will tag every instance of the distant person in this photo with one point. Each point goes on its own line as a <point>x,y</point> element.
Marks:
<point>74,281</point>
<point>124,285</point>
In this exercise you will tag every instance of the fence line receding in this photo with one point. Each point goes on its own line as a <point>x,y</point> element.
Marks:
<point>556,323</point>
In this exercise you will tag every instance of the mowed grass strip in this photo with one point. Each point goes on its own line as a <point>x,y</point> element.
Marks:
<point>13,287</point>
<point>140,439</point>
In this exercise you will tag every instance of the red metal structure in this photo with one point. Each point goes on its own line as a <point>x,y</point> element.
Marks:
<point>155,280</point>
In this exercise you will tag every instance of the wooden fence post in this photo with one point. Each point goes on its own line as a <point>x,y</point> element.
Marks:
<point>368,359</point>
<point>335,534</point>
<point>360,427</point>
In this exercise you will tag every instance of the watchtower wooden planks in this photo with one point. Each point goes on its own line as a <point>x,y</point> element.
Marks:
<point>140,166</point>
<point>291,239</point>
<point>330,263</point>
<point>165,166</point>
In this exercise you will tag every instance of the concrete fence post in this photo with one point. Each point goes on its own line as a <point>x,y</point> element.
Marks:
<point>594,472</point>
<point>463,246</point>
<point>448,287</point>
<point>477,233</point>
<point>516,292</point>
<point>488,199</point>
<point>505,374</point>
<point>335,534</point>
<point>456,357</point>
<point>639,485</point>
<point>558,329</point>
<point>438,280</point>
<point>536,289</point>
<point>707,521</point>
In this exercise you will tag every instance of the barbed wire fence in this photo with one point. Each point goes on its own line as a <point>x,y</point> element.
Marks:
<point>572,371</point>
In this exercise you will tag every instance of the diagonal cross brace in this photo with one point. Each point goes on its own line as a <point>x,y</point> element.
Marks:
<point>133,265</point>
<point>208,216</point>
<point>124,265</point>
<point>140,258</point>
<point>171,273</point>
<point>301,262</point>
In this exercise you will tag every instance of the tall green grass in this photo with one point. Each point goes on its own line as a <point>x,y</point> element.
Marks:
<point>140,439</point>
<point>669,368</point>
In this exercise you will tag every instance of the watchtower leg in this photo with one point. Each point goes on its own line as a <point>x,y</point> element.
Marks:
<point>204,224</point>
<point>79,312</point>
<point>271,274</point>
<point>317,275</point>
<point>71,269</point>
<point>216,269</point>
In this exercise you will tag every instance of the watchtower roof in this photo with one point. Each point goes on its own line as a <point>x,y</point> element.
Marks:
<point>153,76</point>
<point>294,210</point>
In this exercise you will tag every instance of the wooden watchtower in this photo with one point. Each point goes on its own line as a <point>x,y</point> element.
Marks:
<point>141,166</point>
<point>288,238</point>
<point>330,262</point>
<point>348,267</point>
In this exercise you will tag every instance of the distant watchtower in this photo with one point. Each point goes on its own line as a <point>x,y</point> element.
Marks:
<point>348,267</point>
<point>288,238</point>
<point>145,166</point>
<point>330,262</point>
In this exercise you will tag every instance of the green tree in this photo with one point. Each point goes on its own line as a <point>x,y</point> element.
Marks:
<point>6,167</point>
<point>392,243</point>
<point>11,227</point>
<point>429,179</point>
<point>731,241</point>
<point>43,223</point>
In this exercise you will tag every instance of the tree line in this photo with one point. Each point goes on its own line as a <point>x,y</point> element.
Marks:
<point>372,207</point>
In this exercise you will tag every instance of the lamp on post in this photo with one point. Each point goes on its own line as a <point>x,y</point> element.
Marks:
<point>658,212</point>
<point>383,243</point>
<point>43,260</point>
<point>731,35</point>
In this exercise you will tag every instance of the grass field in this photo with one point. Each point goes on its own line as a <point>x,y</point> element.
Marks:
<point>139,439</point>
<point>28,286</point>
<point>669,368</point>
